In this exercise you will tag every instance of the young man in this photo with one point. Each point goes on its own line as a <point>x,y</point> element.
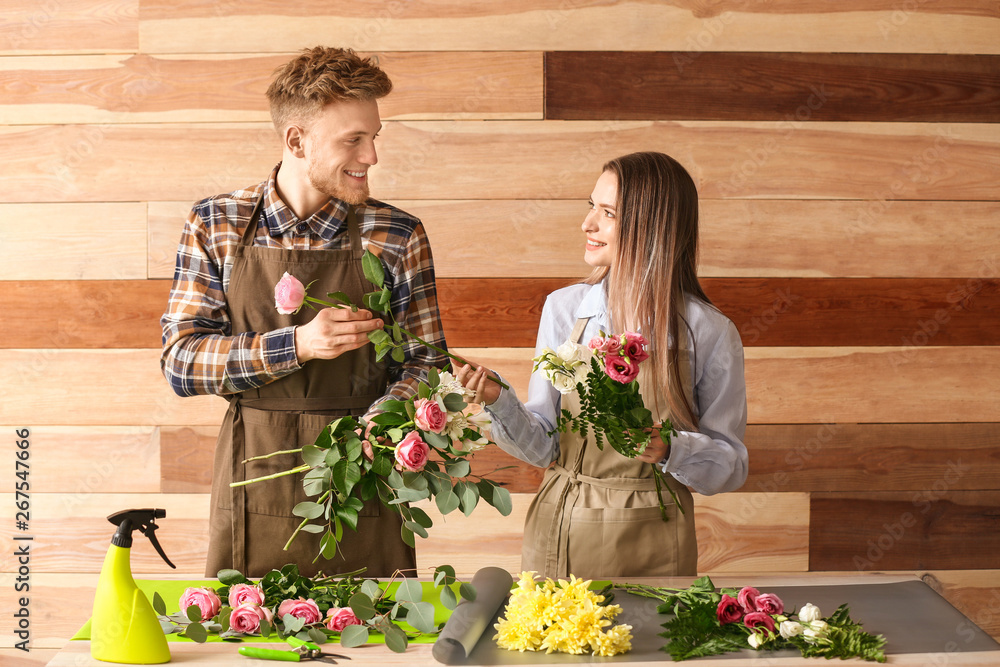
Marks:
<point>287,376</point>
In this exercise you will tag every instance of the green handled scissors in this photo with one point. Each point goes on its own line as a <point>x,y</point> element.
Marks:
<point>302,650</point>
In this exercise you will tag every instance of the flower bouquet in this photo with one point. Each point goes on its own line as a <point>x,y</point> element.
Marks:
<point>565,617</point>
<point>283,602</point>
<point>412,450</point>
<point>712,622</point>
<point>605,374</point>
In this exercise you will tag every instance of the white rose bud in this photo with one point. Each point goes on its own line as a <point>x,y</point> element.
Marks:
<point>809,613</point>
<point>755,640</point>
<point>790,629</point>
<point>816,630</point>
<point>564,384</point>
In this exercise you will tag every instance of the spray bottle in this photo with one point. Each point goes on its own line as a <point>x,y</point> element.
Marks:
<point>124,627</point>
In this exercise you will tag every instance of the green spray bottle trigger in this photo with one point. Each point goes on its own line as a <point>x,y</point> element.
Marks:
<point>124,627</point>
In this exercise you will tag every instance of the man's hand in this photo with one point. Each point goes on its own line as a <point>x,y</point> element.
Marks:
<point>333,332</point>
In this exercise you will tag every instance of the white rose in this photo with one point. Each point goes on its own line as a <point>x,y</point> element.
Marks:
<point>790,629</point>
<point>755,640</point>
<point>570,351</point>
<point>809,613</point>
<point>564,384</point>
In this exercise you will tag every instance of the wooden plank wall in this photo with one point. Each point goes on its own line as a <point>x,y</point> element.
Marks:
<point>847,158</point>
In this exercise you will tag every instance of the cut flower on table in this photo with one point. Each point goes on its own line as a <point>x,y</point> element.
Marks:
<point>707,621</point>
<point>345,607</point>
<point>563,616</point>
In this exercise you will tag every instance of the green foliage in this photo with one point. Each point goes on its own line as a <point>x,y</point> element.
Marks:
<point>695,631</point>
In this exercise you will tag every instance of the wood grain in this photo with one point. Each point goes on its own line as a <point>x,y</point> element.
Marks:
<point>939,528</point>
<point>880,238</point>
<point>68,242</point>
<point>784,386</point>
<point>645,25</point>
<point>766,312</point>
<point>458,159</point>
<point>69,26</point>
<point>145,88</point>
<point>77,460</point>
<point>594,85</point>
<point>871,457</point>
<point>871,385</point>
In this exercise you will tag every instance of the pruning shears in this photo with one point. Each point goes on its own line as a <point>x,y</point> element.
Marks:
<point>302,650</point>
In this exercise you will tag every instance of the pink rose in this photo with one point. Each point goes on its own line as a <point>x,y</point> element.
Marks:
<point>758,619</point>
<point>635,347</point>
<point>411,452</point>
<point>240,593</point>
<point>247,617</point>
<point>747,596</point>
<point>302,608</point>
<point>338,618</point>
<point>429,415</point>
<point>205,599</point>
<point>769,604</point>
<point>729,610</point>
<point>620,369</point>
<point>289,294</point>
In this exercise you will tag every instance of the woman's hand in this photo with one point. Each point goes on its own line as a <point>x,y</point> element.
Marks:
<point>656,450</point>
<point>476,379</point>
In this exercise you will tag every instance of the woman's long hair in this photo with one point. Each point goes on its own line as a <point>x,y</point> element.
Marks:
<point>655,264</point>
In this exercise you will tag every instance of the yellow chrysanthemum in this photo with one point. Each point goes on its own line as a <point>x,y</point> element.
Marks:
<point>565,617</point>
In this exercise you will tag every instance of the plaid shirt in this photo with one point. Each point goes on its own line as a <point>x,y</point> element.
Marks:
<point>200,353</point>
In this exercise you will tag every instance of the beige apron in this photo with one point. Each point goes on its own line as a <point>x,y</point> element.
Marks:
<point>249,525</point>
<point>597,516</point>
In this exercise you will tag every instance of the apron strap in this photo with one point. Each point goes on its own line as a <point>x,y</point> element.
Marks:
<point>251,231</point>
<point>354,232</point>
<point>577,334</point>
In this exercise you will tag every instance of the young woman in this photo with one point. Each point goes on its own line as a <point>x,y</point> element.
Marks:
<point>597,513</point>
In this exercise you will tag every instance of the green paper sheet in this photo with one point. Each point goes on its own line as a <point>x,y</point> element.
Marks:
<point>171,591</point>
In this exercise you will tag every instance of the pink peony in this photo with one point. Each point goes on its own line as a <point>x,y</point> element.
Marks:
<point>747,596</point>
<point>205,599</point>
<point>411,452</point>
<point>289,294</point>
<point>759,619</point>
<point>247,617</point>
<point>302,608</point>
<point>338,618</point>
<point>430,416</point>
<point>635,347</point>
<point>620,369</point>
<point>769,604</point>
<point>729,610</point>
<point>240,593</point>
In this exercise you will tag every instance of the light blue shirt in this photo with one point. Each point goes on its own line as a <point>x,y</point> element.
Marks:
<point>711,460</point>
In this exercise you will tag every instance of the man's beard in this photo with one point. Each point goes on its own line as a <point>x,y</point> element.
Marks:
<point>330,186</point>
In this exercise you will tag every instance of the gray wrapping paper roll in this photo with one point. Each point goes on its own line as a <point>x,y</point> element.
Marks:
<point>470,619</point>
